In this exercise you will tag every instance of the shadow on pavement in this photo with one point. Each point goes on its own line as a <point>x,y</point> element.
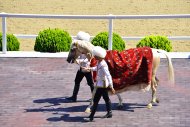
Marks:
<point>68,118</point>
<point>63,111</point>
<point>56,101</point>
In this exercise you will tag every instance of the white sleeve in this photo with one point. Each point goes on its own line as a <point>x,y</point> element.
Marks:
<point>94,68</point>
<point>108,75</point>
<point>79,60</point>
<point>82,59</point>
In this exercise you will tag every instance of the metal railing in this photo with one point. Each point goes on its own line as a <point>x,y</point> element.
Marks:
<point>106,17</point>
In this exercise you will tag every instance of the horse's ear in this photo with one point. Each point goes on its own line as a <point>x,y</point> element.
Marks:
<point>74,44</point>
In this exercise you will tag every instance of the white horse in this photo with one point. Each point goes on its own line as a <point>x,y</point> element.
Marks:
<point>84,47</point>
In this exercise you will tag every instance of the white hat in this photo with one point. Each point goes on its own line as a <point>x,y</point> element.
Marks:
<point>83,36</point>
<point>99,52</point>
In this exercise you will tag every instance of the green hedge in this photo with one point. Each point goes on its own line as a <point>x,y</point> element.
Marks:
<point>158,42</point>
<point>12,43</point>
<point>52,40</point>
<point>101,39</point>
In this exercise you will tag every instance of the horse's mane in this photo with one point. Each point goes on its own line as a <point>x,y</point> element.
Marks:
<point>84,45</point>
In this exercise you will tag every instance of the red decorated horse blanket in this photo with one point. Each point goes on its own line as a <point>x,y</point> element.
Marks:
<point>129,67</point>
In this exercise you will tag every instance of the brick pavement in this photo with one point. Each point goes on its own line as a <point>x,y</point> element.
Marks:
<point>33,91</point>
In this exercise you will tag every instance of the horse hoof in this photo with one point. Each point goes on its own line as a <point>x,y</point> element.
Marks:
<point>88,110</point>
<point>157,100</point>
<point>149,106</point>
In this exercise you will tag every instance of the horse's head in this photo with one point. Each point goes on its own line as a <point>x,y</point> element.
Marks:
<point>79,47</point>
<point>73,53</point>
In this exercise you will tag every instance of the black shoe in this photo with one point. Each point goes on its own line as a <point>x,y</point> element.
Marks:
<point>88,120</point>
<point>73,99</point>
<point>108,115</point>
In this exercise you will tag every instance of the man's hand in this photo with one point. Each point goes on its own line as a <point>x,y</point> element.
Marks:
<point>113,90</point>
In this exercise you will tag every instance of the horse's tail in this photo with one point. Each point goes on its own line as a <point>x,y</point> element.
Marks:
<point>170,66</point>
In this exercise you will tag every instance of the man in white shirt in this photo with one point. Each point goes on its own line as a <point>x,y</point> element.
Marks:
<point>83,62</point>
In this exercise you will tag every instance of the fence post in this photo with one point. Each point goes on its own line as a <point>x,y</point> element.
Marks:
<point>110,33</point>
<point>4,38</point>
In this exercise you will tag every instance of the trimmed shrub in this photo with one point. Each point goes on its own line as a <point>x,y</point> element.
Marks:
<point>102,40</point>
<point>12,43</point>
<point>52,40</point>
<point>158,42</point>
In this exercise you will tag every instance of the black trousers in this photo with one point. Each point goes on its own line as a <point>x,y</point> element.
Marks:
<point>99,93</point>
<point>79,76</point>
<point>88,75</point>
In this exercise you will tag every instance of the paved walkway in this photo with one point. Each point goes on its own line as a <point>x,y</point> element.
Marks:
<point>33,91</point>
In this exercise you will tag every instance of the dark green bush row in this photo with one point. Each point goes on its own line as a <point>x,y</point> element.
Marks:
<point>56,40</point>
<point>12,43</point>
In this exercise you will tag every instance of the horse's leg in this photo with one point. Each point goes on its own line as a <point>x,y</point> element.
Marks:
<point>88,109</point>
<point>157,81</point>
<point>154,80</point>
<point>154,99</point>
<point>120,105</point>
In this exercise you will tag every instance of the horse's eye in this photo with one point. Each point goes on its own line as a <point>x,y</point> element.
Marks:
<point>73,49</point>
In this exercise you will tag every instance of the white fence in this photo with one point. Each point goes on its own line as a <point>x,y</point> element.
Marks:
<point>106,17</point>
<point>26,36</point>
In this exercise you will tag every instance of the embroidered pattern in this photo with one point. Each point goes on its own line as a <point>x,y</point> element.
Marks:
<point>129,67</point>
